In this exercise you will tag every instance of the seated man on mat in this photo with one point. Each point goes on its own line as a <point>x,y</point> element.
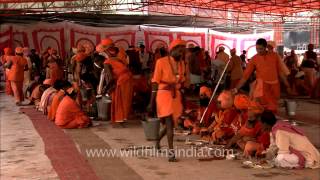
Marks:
<point>48,94</point>
<point>37,92</point>
<point>250,137</point>
<point>289,146</point>
<point>221,129</point>
<point>69,114</point>
<point>57,98</point>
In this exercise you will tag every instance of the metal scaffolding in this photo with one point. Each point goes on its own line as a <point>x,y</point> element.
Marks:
<point>231,12</point>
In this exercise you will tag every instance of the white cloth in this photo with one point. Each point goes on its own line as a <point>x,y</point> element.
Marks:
<point>284,139</point>
<point>287,161</point>
<point>45,98</point>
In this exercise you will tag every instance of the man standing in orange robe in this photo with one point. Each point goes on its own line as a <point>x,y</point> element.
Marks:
<point>250,136</point>
<point>268,71</point>
<point>55,71</point>
<point>17,65</point>
<point>119,83</point>
<point>77,63</point>
<point>7,53</point>
<point>167,80</point>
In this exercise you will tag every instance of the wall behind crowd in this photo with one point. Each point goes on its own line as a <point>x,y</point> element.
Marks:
<point>65,35</point>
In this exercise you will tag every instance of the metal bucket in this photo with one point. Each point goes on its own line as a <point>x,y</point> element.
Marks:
<point>151,128</point>
<point>104,108</point>
<point>291,107</point>
<point>84,94</point>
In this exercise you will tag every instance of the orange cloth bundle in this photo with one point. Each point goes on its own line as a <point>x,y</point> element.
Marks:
<point>177,42</point>
<point>241,101</point>
<point>106,42</point>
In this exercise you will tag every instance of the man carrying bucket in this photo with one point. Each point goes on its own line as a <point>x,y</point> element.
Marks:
<point>167,80</point>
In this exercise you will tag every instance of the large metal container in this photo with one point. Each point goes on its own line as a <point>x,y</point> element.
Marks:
<point>291,107</point>
<point>104,108</point>
<point>151,128</point>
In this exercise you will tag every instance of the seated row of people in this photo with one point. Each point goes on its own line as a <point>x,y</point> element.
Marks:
<point>238,122</point>
<point>58,102</point>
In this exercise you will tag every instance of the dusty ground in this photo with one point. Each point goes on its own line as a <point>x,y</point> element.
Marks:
<point>21,148</point>
<point>186,168</point>
<point>22,152</point>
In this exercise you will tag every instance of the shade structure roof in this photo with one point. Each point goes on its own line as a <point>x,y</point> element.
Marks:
<point>185,7</point>
<point>226,13</point>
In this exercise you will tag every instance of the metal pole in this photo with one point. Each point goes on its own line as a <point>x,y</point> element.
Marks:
<point>215,90</point>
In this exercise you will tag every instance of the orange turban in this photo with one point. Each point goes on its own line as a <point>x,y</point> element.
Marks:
<point>241,101</point>
<point>177,42</point>
<point>7,51</point>
<point>19,50</point>
<point>106,42</point>
<point>205,91</point>
<point>255,107</point>
<point>99,48</point>
<point>47,82</point>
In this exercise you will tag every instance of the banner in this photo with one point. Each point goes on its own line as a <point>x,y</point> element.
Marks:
<point>195,39</point>
<point>6,38</point>
<point>65,35</point>
<point>154,40</point>
<point>222,41</point>
<point>20,39</point>
<point>238,41</point>
<point>156,37</point>
<point>84,38</point>
<point>45,38</point>
<point>122,39</point>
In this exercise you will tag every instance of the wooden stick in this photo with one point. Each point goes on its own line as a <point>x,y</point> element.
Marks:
<point>215,90</point>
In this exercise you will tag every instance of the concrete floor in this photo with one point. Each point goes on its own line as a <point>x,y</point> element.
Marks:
<point>22,152</point>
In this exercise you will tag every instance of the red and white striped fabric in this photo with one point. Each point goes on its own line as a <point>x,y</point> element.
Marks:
<point>20,39</point>
<point>196,39</point>
<point>156,39</point>
<point>227,42</point>
<point>6,38</point>
<point>87,39</point>
<point>54,38</point>
<point>122,39</point>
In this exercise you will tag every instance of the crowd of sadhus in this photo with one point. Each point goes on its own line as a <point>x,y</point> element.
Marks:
<point>238,97</point>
